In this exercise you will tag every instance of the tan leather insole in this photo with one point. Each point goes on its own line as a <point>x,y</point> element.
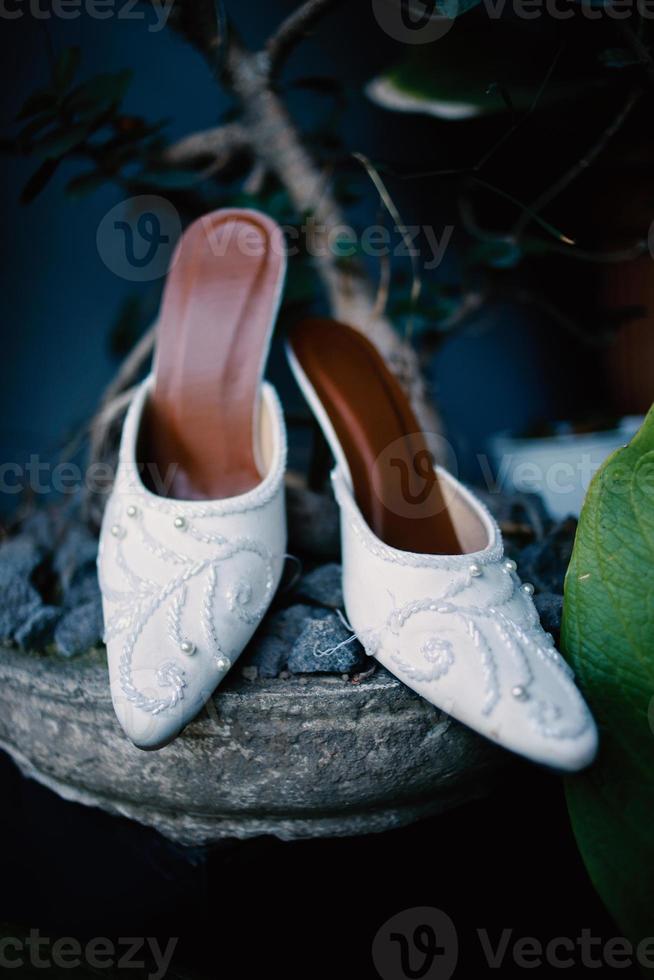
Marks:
<point>212,336</point>
<point>392,469</point>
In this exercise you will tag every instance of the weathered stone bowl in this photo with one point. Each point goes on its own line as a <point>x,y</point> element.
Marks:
<point>296,757</point>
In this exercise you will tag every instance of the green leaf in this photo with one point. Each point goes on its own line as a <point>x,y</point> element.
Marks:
<point>85,184</point>
<point>100,93</point>
<point>498,253</point>
<point>61,141</point>
<point>38,102</point>
<point>38,180</point>
<point>34,126</point>
<point>323,84</point>
<point>619,58</point>
<point>455,8</point>
<point>66,68</point>
<point>608,635</point>
<point>477,72</point>
<point>168,179</point>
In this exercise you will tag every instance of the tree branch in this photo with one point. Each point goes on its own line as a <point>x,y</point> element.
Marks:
<point>294,29</point>
<point>640,49</point>
<point>268,132</point>
<point>221,142</point>
<point>203,24</point>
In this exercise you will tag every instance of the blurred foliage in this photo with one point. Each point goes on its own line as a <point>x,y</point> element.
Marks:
<point>481,69</point>
<point>500,71</point>
<point>83,121</point>
<point>607,634</point>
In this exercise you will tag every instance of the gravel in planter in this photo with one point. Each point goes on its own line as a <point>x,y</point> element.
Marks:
<point>19,599</point>
<point>550,610</point>
<point>75,556</point>
<point>325,645</point>
<point>49,593</point>
<point>313,524</point>
<point>323,586</point>
<point>545,562</point>
<point>79,629</point>
<point>37,631</point>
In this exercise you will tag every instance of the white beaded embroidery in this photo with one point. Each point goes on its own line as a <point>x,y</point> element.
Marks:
<point>520,639</point>
<point>135,608</point>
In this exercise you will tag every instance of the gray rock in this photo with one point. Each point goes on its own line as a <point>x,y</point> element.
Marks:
<point>271,645</point>
<point>80,629</point>
<point>19,600</point>
<point>313,523</point>
<point>550,610</point>
<point>75,555</point>
<point>545,562</point>
<point>19,556</point>
<point>41,528</point>
<point>86,588</point>
<point>517,509</point>
<point>325,645</point>
<point>37,631</point>
<point>322,758</point>
<point>323,585</point>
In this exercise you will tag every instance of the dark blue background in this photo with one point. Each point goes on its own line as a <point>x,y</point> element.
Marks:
<point>60,300</point>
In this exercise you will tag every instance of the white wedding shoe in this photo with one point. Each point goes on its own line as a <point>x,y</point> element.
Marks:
<point>194,533</point>
<point>426,586</point>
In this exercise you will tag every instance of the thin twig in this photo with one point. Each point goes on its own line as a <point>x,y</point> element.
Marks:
<point>488,154</point>
<point>556,233</point>
<point>117,394</point>
<point>389,204</point>
<point>640,50</point>
<point>561,245</point>
<point>294,29</point>
<point>253,183</point>
<point>268,132</point>
<point>531,213</point>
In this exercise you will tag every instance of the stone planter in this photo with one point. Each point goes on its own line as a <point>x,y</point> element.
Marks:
<point>295,757</point>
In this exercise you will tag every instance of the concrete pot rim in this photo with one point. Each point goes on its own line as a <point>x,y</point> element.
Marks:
<point>298,757</point>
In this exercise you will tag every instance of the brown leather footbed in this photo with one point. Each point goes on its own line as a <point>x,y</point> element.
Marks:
<point>211,338</point>
<point>392,469</point>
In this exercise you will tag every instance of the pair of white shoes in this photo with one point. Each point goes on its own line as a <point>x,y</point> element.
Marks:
<point>186,582</point>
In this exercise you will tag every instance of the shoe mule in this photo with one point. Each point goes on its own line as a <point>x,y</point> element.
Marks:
<point>460,630</point>
<point>186,577</point>
<point>185,583</point>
